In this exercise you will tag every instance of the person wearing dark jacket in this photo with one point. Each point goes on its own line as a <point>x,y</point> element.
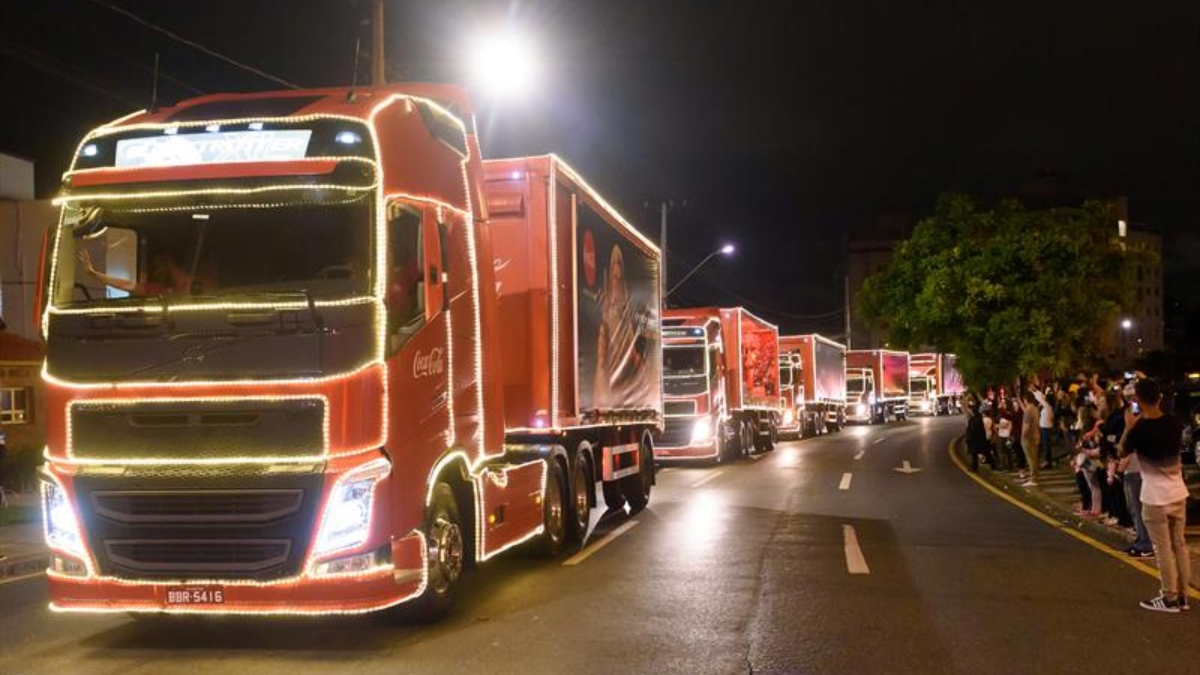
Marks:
<point>977,440</point>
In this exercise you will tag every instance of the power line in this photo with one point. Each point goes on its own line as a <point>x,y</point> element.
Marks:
<point>195,45</point>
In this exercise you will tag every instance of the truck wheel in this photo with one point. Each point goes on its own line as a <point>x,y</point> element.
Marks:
<point>637,487</point>
<point>445,551</point>
<point>554,512</point>
<point>614,498</point>
<point>581,507</point>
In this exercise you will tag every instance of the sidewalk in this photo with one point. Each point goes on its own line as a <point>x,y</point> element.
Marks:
<point>1058,497</point>
<point>22,547</point>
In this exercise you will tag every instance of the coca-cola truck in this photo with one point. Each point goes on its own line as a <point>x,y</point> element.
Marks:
<point>294,367</point>
<point>876,385</point>
<point>935,385</point>
<point>818,373</point>
<point>720,384</point>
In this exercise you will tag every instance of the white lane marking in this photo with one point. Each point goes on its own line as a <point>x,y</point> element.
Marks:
<point>845,484</point>
<point>879,440</point>
<point>855,562</point>
<point>600,543</point>
<point>23,577</point>
<point>906,469</point>
<point>860,454</point>
<point>707,478</point>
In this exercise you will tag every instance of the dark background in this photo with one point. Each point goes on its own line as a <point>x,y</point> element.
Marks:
<point>783,125</point>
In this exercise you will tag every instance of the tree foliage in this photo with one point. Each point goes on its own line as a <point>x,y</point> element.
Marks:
<point>1013,292</point>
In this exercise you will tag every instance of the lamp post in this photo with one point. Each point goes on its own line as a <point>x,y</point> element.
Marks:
<point>726,250</point>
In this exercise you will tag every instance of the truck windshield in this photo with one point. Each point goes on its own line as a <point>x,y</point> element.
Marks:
<point>855,385</point>
<point>785,375</point>
<point>918,385</point>
<point>128,250</point>
<point>683,371</point>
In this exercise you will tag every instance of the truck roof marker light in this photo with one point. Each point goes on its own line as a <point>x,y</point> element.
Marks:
<point>212,128</point>
<point>171,131</point>
<point>348,138</point>
<point>90,150</point>
<point>255,126</point>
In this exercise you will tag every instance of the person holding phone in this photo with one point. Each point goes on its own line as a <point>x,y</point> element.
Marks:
<point>1153,437</point>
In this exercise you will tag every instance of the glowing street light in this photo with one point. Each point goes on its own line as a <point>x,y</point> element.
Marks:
<point>726,250</point>
<point>504,65</point>
<point>1127,323</point>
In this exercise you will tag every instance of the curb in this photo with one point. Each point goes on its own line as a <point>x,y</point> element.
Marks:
<point>1113,537</point>
<point>23,566</point>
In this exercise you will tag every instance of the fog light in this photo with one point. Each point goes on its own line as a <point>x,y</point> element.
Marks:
<point>354,564</point>
<point>67,566</point>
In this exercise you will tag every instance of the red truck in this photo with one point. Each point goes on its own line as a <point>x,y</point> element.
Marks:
<point>720,384</point>
<point>294,367</point>
<point>935,385</point>
<point>816,370</point>
<point>876,385</point>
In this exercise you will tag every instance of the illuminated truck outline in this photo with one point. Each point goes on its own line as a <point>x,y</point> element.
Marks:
<point>427,394</point>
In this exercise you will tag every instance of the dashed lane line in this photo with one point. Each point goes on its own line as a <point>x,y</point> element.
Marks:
<point>856,563</point>
<point>860,454</point>
<point>600,543</point>
<point>710,476</point>
<point>845,484</point>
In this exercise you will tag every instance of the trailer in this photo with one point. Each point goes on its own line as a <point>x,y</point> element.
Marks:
<point>821,390</point>
<point>935,385</point>
<point>308,354</point>
<point>876,385</point>
<point>721,385</point>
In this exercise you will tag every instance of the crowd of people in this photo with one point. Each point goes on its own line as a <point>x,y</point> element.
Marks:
<point>1124,452</point>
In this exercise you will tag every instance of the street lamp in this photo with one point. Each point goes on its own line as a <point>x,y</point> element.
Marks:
<point>1126,324</point>
<point>726,250</point>
<point>505,65</point>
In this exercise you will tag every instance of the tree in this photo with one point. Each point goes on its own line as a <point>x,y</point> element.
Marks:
<point>1013,292</point>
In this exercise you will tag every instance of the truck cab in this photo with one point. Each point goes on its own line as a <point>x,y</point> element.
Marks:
<point>860,395</point>
<point>697,417</point>
<point>792,422</point>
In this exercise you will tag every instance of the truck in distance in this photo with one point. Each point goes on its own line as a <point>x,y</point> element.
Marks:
<point>720,384</point>
<point>935,385</point>
<point>292,369</point>
<point>876,385</point>
<point>821,381</point>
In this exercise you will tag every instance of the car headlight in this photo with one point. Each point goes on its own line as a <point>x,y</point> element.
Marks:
<point>860,409</point>
<point>62,526</point>
<point>789,416</point>
<point>702,431</point>
<point>347,519</point>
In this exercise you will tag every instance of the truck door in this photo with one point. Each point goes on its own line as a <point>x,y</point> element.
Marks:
<point>418,353</point>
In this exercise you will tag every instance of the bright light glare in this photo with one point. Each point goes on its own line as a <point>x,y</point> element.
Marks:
<point>504,65</point>
<point>727,249</point>
<point>1127,324</point>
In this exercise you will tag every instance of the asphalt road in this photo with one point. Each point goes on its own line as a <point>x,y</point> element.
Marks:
<point>744,568</point>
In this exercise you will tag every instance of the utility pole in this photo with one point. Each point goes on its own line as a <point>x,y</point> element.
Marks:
<point>377,73</point>
<point>846,304</point>
<point>663,245</point>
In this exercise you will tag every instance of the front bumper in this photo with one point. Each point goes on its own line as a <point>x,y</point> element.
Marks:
<point>366,591</point>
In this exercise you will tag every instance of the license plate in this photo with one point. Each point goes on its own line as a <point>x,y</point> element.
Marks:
<point>178,596</point>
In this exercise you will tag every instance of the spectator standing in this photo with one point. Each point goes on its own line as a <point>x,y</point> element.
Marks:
<point>1030,436</point>
<point>977,440</point>
<point>1154,438</point>
<point>1045,427</point>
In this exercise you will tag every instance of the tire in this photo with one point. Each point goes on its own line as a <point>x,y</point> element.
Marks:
<point>636,488</point>
<point>582,482</point>
<point>445,547</point>
<point>554,512</point>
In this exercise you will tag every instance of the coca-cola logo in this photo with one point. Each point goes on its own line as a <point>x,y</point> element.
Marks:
<point>428,364</point>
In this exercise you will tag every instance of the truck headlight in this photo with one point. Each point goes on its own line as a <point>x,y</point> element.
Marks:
<point>702,431</point>
<point>860,409</point>
<point>789,416</point>
<point>62,526</point>
<point>346,522</point>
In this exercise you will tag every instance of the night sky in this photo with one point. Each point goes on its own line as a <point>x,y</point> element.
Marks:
<point>782,125</point>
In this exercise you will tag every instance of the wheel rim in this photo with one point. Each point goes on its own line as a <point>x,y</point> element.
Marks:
<point>554,508</point>
<point>445,550</point>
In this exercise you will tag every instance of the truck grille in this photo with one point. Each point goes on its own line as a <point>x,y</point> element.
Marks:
<point>198,429</point>
<point>677,432</point>
<point>198,556</point>
<point>197,506</point>
<point>679,407</point>
<point>227,524</point>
